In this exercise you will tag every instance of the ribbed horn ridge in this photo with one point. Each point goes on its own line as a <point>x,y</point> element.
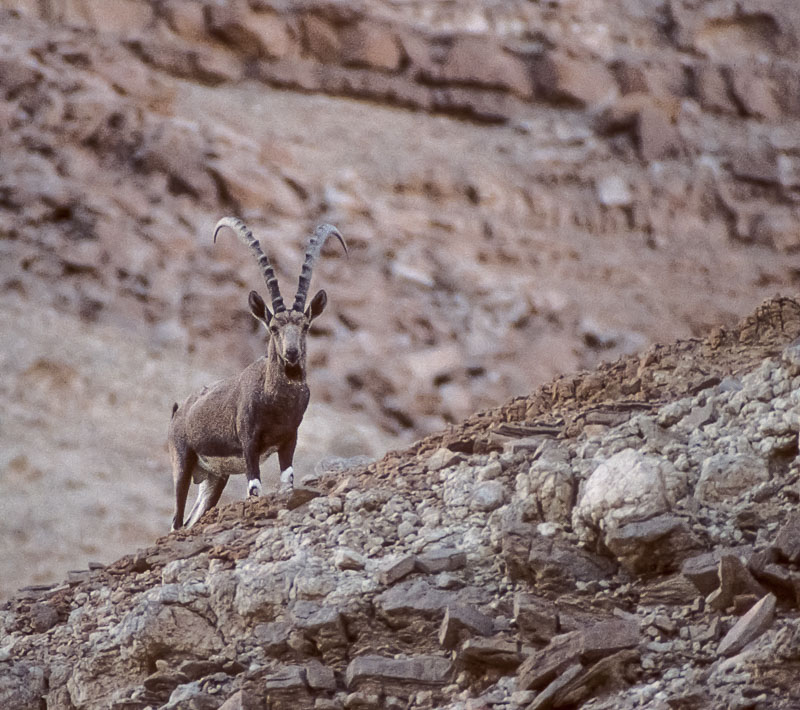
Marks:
<point>247,237</point>
<point>313,250</point>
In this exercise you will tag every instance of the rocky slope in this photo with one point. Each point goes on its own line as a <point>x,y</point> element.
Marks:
<point>626,537</point>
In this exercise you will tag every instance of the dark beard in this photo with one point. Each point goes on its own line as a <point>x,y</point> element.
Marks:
<point>293,372</point>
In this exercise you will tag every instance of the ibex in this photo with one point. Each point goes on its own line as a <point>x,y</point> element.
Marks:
<point>231,426</point>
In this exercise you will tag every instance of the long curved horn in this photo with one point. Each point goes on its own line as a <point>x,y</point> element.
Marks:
<point>313,250</point>
<point>247,237</point>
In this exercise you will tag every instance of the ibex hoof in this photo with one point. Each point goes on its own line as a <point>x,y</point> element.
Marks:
<point>254,488</point>
<point>287,478</point>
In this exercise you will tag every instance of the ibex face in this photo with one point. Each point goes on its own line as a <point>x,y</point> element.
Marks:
<point>287,332</point>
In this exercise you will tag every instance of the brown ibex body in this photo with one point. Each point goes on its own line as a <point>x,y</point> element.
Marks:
<point>231,426</point>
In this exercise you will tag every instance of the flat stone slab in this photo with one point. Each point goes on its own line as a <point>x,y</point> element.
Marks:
<point>754,623</point>
<point>493,652</point>
<point>583,646</point>
<point>442,560</point>
<point>395,568</point>
<point>419,671</point>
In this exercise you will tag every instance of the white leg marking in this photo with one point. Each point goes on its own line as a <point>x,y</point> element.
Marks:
<point>201,504</point>
<point>254,487</point>
<point>287,477</point>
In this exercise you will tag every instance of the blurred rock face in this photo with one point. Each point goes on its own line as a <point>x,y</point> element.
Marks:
<point>523,195</point>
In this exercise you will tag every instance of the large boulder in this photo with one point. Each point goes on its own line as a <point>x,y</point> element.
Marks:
<point>629,487</point>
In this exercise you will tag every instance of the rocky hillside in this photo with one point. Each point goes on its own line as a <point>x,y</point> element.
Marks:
<point>626,537</point>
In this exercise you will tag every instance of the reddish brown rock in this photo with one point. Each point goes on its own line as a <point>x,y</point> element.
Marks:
<point>713,89</point>
<point>481,62</point>
<point>755,94</point>
<point>373,46</point>
<point>578,82</point>
<point>186,18</point>
<point>320,39</point>
<point>657,135</point>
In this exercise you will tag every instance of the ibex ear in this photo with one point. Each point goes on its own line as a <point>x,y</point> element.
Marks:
<point>258,308</point>
<point>317,305</point>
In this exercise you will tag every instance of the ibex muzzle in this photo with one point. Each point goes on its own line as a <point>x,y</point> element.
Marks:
<point>231,426</point>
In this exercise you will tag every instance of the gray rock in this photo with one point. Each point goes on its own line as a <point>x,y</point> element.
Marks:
<point>790,357</point>
<point>548,490</point>
<point>734,580</point>
<point>488,496</point>
<point>288,678</point>
<point>273,637</point>
<point>724,477</point>
<point>287,688</point>
<point>151,628</point>
<point>659,544</point>
<point>441,560</point>
<point>442,458</point>
<point>703,569</point>
<point>787,543</point>
<point>536,617</point>
<point>345,558</point>
<point>320,677</point>
<point>394,568</point>
<point>556,564</point>
<point>490,471</point>
<point>417,598</point>
<point>699,416</point>
<point>461,621</point>
<point>613,191</point>
<point>22,686</point>
<point>240,700</point>
<point>587,645</point>
<point>754,623</point>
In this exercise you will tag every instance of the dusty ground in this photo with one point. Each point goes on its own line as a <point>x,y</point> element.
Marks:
<point>500,233</point>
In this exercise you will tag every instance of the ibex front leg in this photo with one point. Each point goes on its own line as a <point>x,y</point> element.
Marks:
<point>251,459</point>
<point>285,457</point>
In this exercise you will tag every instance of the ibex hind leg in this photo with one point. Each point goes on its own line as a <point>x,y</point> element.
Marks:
<point>183,461</point>
<point>208,496</point>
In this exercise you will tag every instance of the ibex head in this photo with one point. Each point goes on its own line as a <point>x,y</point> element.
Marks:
<point>287,328</point>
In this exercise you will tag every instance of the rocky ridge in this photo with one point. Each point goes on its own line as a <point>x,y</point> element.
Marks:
<point>634,544</point>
